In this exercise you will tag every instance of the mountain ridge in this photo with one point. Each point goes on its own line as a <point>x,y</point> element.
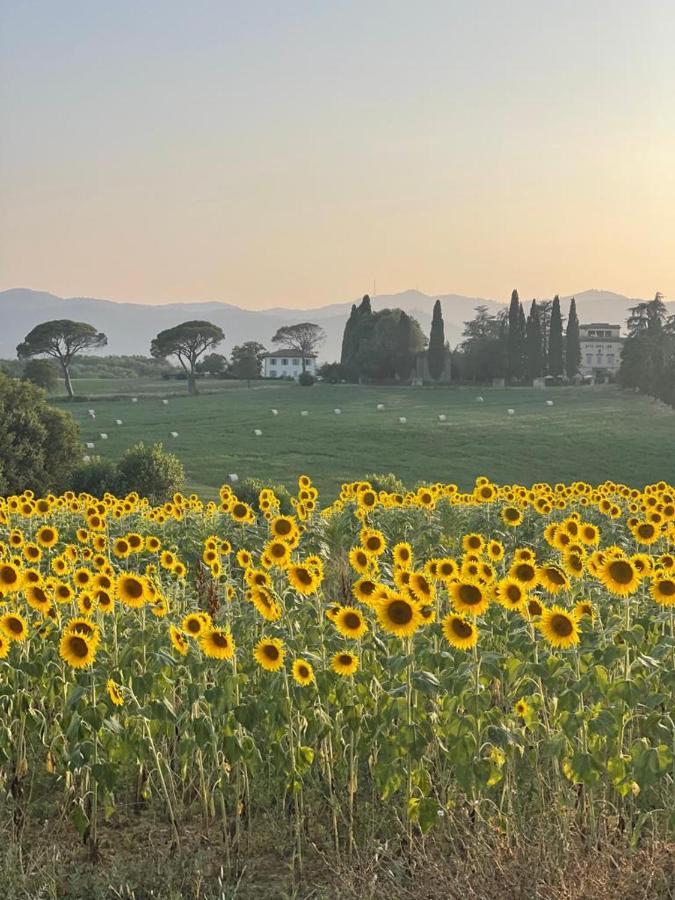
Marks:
<point>130,326</point>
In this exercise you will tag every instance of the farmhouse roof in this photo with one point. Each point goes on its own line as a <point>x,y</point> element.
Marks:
<point>293,354</point>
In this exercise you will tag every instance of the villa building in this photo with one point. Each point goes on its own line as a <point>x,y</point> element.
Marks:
<point>601,345</point>
<point>287,364</point>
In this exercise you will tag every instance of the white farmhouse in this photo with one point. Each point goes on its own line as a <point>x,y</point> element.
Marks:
<point>601,345</point>
<point>287,364</point>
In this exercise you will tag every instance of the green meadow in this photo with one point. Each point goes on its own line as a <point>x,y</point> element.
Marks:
<point>590,433</point>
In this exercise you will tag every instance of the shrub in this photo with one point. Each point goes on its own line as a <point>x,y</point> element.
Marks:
<point>248,490</point>
<point>43,373</point>
<point>306,379</point>
<point>39,445</point>
<point>386,482</point>
<point>150,471</point>
<point>96,477</point>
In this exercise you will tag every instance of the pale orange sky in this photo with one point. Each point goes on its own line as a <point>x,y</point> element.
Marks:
<point>292,156</point>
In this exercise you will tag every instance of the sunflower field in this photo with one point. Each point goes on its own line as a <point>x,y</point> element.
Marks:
<point>376,669</point>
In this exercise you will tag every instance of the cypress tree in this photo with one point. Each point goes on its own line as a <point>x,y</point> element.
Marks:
<point>555,340</point>
<point>436,351</point>
<point>572,342</point>
<point>522,335</point>
<point>514,348</point>
<point>347,338</point>
<point>533,345</point>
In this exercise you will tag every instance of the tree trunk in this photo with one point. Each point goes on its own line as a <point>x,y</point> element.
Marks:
<point>192,382</point>
<point>303,363</point>
<point>69,383</point>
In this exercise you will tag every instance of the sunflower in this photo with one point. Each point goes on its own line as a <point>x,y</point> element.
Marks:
<point>32,552</point>
<point>86,603</point>
<point>279,553</point>
<point>399,615</point>
<point>422,589</point>
<point>121,548</point>
<point>132,590</point>
<point>350,622</point>
<point>533,608</point>
<point>217,643</point>
<point>428,613</point>
<point>525,572</point>
<point>11,578</point>
<point>446,568</point>
<point>473,543</point>
<point>459,632</point>
<point>522,708</point>
<point>495,550</point>
<point>266,604</point>
<point>77,650</point>
<point>14,626</point>
<point>560,627</point>
<point>303,579</point>
<point>167,559</point>
<point>4,645</point>
<point>115,693</point>
<point>469,596</point>
<point>105,601</point>
<point>194,624</point>
<point>344,663</point>
<point>552,578</point>
<point>511,593</point>
<point>153,544</point>
<point>269,654</point>
<point>403,555</point>
<point>511,516</point>
<point>302,671</point>
<point>360,560</point>
<point>589,534</point>
<point>662,587</point>
<point>646,533</point>
<point>584,609</point>
<point>38,597</point>
<point>619,576</point>
<point>373,541</point>
<point>178,640</point>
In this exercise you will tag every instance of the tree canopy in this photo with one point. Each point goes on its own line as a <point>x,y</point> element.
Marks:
<point>39,445</point>
<point>187,342</point>
<point>304,337</point>
<point>247,360</point>
<point>62,339</point>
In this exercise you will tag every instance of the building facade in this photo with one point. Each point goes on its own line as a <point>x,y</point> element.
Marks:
<point>601,345</point>
<point>287,364</point>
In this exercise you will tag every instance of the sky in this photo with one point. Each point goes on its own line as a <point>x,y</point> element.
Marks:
<point>303,153</point>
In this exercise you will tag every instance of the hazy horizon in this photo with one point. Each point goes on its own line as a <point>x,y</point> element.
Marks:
<point>295,157</point>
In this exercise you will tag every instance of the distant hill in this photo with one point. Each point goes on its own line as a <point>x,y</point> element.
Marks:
<point>131,326</point>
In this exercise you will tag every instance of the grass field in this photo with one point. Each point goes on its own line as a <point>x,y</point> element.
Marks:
<point>591,433</point>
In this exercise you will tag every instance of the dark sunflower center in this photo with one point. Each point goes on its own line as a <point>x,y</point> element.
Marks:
<point>470,594</point>
<point>271,652</point>
<point>133,588</point>
<point>220,640</point>
<point>422,584</point>
<point>555,576</point>
<point>345,659</point>
<point>513,593</point>
<point>194,626</point>
<point>239,511</point>
<point>303,576</point>
<point>367,588</point>
<point>534,608</point>
<point>462,629</point>
<point>14,625</point>
<point>562,625</point>
<point>8,575</point>
<point>525,572</point>
<point>667,588</point>
<point>303,671</point>
<point>621,572</point>
<point>39,595</point>
<point>278,550</point>
<point>283,527</point>
<point>351,621</point>
<point>400,612</point>
<point>646,531</point>
<point>78,647</point>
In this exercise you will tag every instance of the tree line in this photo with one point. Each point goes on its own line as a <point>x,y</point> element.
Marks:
<point>64,340</point>
<point>519,348</point>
